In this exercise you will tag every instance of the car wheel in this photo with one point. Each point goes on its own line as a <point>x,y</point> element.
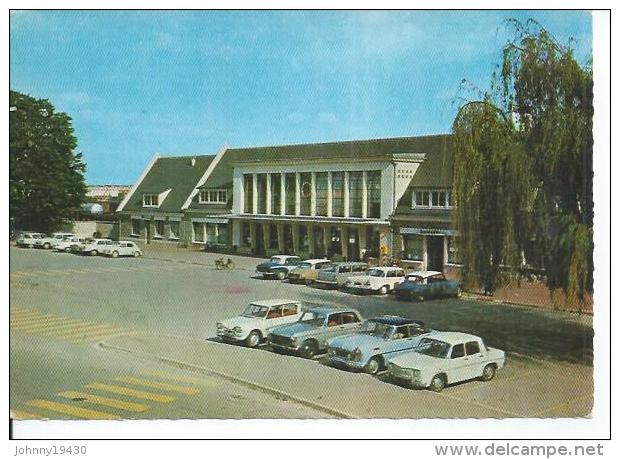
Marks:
<point>29,246</point>
<point>46,245</point>
<point>114,254</point>
<point>94,252</point>
<point>373,366</point>
<point>280,275</point>
<point>420,297</point>
<point>253,339</point>
<point>136,254</point>
<point>383,290</point>
<point>488,373</point>
<point>309,349</point>
<point>437,383</point>
<point>68,249</point>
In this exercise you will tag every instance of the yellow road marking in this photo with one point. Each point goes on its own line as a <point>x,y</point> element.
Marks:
<point>22,415</point>
<point>158,385</point>
<point>77,271</point>
<point>175,377</point>
<point>75,411</point>
<point>42,273</point>
<point>33,320</point>
<point>50,325</point>
<point>563,404</point>
<point>131,392</point>
<point>28,314</point>
<point>104,401</point>
<point>23,273</point>
<point>84,331</point>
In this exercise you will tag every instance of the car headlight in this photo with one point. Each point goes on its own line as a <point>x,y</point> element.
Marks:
<point>357,354</point>
<point>415,374</point>
<point>219,326</point>
<point>237,330</point>
<point>331,351</point>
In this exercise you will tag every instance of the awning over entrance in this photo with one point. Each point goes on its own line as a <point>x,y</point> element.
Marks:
<point>428,231</point>
<point>215,219</point>
<point>310,219</point>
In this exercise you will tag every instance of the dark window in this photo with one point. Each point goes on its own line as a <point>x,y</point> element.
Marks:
<point>401,332</point>
<point>414,247</point>
<point>338,194</point>
<point>246,235</point>
<point>373,184</point>
<point>472,348</point>
<point>273,236</point>
<point>304,240</point>
<point>458,350</point>
<point>248,193</point>
<point>321,194</point>
<point>305,193</point>
<point>261,193</point>
<point>356,185</point>
<point>290,193</point>
<point>349,318</point>
<point>334,319</point>
<point>276,186</point>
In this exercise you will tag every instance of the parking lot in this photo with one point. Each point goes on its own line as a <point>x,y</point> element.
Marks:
<point>161,312</point>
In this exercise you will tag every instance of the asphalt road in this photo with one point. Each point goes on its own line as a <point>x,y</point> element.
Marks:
<point>64,306</point>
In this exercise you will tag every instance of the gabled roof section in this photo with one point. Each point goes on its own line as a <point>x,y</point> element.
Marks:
<point>357,149</point>
<point>436,169</point>
<point>179,174</point>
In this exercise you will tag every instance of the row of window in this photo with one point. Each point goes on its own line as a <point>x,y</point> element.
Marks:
<point>160,229</point>
<point>431,198</point>
<point>150,200</point>
<point>204,197</point>
<point>318,187</point>
<point>414,248</point>
<point>210,233</point>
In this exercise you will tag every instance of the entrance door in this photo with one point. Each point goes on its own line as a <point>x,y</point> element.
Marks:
<point>353,247</point>
<point>319,242</point>
<point>434,250</point>
<point>259,244</point>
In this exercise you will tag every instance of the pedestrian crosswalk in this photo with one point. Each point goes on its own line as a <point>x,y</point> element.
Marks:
<point>125,397</point>
<point>60,328</point>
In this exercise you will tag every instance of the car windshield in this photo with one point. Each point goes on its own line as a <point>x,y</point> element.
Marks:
<point>375,328</point>
<point>415,279</point>
<point>433,348</point>
<point>375,272</point>
<point>255,310</point>
<point>314,318</point>
<point>275,260</point>
<point>305,265</point>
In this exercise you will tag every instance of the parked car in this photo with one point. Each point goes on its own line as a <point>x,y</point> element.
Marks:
<point>69,244</point>
<point>94,246</point>
<point>278,266</point>
<point>308,270</point>
<point>28,239</point>
<point>337,274</point>
<point>49,242</point>
<point>446,358</point>
<point>420,285</point>
<point>257,320</point>
<point>122,249</point>
<point>308,337</point>
<point>376,280</point>
<point>378,339</point>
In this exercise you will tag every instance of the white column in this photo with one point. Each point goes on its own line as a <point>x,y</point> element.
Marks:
<point>346,194</point>
<point>282,193</point>
<point>424,253</point>
<point>313,194</point>
<point>268,195</point>
<point>445,250</point>
<point>364,194</point>
<point>204,233</point>
<point>329,194</point>
<point>254,193</point>
<point>297,194</point>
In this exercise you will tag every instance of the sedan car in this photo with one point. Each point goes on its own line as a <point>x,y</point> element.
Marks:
<point>94,246</point>
<point>420,285</point>
<point>337,274</point>
<point>257,320</point>
<point>122,249</point>
<point>28,239</point>
<point>69,244</point>
<point>278,266</point>
<point>446,358</point>
<point>307,271</point>
<point>378,339</point>
<point>49,242</point>
<point>376,280</point>
<point>308,337</point>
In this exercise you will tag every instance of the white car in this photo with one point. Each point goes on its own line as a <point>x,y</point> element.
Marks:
<point>67,245</point>
<point>446,358</point>
<point>49,242</point>
<point>376,280</point>
<point>28,239</point>
<point>254,324</point>
<point>94,246</point>
<point>122,249</point>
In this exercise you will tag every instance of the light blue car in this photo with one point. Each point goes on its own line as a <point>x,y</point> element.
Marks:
<point>378,339</point>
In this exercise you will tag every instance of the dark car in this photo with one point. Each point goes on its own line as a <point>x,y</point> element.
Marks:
<point>420,285</point>
<point>278,266</point>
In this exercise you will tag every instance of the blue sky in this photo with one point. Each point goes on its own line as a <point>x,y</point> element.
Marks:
<point>138,83</point>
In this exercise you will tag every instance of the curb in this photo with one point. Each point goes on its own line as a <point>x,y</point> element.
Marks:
<point>486,299</point>
<point>236,379</point>
<point>195,263</point>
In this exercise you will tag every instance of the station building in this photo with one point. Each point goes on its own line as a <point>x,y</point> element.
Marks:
<point>344,200</point>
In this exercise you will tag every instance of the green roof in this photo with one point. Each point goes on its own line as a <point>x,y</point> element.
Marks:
<point>175,173</point>
<point>358,149</point>
<point>436,169</point>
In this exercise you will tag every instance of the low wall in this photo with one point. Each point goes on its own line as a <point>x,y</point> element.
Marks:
<point>89,228</point>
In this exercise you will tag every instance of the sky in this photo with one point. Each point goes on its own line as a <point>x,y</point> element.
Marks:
<point>140,83</point>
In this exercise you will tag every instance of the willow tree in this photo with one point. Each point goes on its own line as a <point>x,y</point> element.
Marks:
<point>531,137</point>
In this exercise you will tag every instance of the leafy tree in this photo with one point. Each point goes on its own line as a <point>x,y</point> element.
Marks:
<point>523,167</point>
<point>46,183</point>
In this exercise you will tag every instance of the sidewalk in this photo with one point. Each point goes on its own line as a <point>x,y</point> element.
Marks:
<point>172,252</point>
<point>333,391</point>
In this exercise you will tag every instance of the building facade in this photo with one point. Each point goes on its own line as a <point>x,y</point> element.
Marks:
<point>344,200</point>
